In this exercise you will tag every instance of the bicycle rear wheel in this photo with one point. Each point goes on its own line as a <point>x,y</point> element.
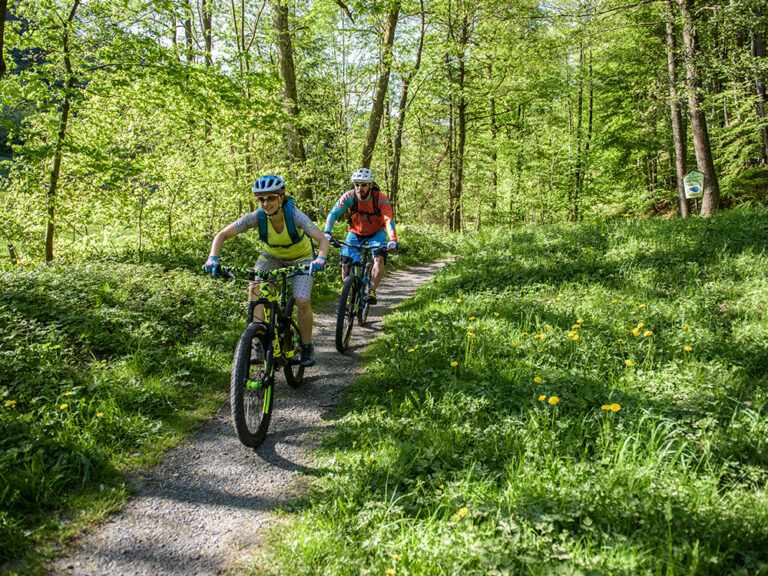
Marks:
<point>345,314</point>
<point>251,385</point>
<point>294,373</point>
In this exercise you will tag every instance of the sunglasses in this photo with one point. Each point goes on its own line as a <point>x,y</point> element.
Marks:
<point>362,184</point>
<point>267,198</point>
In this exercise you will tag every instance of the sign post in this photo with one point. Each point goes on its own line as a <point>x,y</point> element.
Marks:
<point>693,183</point>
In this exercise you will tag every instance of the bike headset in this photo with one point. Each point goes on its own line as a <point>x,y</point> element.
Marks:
<point>269,184</point>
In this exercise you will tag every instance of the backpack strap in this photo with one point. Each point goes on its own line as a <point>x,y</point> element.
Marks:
<point>290,225</point>
<point>374,200</point>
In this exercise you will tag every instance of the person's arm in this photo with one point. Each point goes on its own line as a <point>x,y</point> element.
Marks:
<point>218,240</point>
<point>389,218</point>
<point>344,203</point>
<point>322,242</point>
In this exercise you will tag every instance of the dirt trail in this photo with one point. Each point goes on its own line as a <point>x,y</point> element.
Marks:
<point>202,509</point>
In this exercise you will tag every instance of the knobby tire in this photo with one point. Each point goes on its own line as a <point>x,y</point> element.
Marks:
<point>294,374</point>
<point>252,403</point>
<point>345,314</point>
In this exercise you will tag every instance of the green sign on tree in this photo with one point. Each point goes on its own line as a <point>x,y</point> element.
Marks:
<point>694,184</point>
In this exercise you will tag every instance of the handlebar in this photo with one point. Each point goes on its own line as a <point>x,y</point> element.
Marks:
<point>364,246</point>
<point>232,272</point>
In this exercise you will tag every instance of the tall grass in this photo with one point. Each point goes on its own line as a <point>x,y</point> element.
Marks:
<point>566,399</point>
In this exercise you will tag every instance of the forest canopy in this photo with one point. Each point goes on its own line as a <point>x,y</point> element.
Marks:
<point>143,123</point>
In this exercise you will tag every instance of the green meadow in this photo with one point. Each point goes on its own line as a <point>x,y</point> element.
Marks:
<point>586,399</point>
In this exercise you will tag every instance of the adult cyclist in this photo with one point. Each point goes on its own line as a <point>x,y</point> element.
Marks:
<point>285,231</point>
<point>370,215</point>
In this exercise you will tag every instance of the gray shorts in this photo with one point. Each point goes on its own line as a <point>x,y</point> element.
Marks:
<point>302,285</point>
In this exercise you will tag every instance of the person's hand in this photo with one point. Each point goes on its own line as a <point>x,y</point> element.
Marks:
<point>392,245</point>
<point>328,236</point>
<point>317,265</point>
<point>211,265</point>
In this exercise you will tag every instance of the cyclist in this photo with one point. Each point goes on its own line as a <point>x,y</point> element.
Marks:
<point>370,215</point>
<point>285,230</point>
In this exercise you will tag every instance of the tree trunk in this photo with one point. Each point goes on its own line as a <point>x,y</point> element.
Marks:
<point>492,134</point>
<point>579,110</point>
<point>704,161</point>
<point>401,110</point>
<point>207,16</point>
<point>458,178</point>
<point>188,37</point>
<point>758,52</point>
<point>293,139</point>
<point>382,85</point>
<point>3,8</point>
<point>50,228</point>
<point>678,128</point>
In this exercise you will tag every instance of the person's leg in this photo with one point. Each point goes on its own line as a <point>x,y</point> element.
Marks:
<point>302,294</point>
<point>379,258</point>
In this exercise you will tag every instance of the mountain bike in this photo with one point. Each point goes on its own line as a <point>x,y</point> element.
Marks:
<point>353,302</point>
<point>264,348</point>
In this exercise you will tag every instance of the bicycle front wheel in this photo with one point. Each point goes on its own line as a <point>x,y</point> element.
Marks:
<point>251,385</point>
<point>345,314</point>
<point>294,373</point>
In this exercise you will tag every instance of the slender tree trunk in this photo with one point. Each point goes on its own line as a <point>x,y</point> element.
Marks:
<point>492,131</point>
<point>704,161</point>
<point>758,52</point>
<point>293,139</point>
<point>458,178</point>
<point>678,128</point>
<point>380,95</point>
<point>401,110</point>
<point>50,228</point>
<point>579,113</point>
<point>3,8</point>
<point>207,16</point>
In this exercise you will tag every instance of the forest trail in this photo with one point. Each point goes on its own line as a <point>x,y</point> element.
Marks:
<point>203,509</point>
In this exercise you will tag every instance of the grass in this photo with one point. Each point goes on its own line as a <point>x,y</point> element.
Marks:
<point>586,399</point>
<point>106,364</point>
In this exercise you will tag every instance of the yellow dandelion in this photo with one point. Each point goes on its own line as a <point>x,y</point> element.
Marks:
<point>9,403</point>
<point>99,414</point>
<point>395,557</point>
<point>557,299</point>
<point>471,318</point>
<point>614,301</point>
<point>458,300</point>
<point>554,400</point>
<point>515,344</point>
<point>485,327</point>
<point>542,335</point>
<point>104,361</point>
<point>603,234</point>
<point>524,334</point>
<point>496,314</point>
<point>628,362</point>
<point>633,312</point>
<point>640,324</point>
<point>620,340</point>
<point>389,391</point>
<point>389,571</point>
<point>454,363</point>
<point>410,350</point>
<point>537,379</point>
<point>416,347</point>
<point>576,326</point>
<point>580,320</point>
<point>426,322</point>
<point>636,331</point>
<point>383,411</point>
<point>455,517</point>
<point>536,336</point>
<point>642,305</point>
<point>470,335</point>
<point>575,337</point>
<point>68,393</point>
<point>686,326</point>
<point>688,348</point>
<point>542,398</point>
<point>397,345</point>
<point>63,406</point>
<point>470,327</point>
<point>648,333</point>
<point>615,407</point>
<point>605,407</point>
<point>463,511</point>
<point>441,487</point>
<point>549,328</point>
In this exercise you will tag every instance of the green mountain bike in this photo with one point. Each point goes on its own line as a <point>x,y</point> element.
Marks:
<point>264,348</point>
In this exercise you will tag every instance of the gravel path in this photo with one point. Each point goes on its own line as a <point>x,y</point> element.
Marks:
<point>202,509</point>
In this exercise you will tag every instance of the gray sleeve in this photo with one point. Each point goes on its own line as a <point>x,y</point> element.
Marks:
<point>302,221</point>
<point>246,222</point>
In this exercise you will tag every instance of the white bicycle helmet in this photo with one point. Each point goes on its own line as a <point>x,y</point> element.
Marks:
<point>269,184</point>
<point>362,176</point>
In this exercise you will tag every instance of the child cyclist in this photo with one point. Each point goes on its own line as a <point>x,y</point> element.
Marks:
<point>285,231</point>
<point>370,215</point>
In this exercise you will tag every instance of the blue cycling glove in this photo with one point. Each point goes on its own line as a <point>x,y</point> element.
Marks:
<point>211,265</point>
<point>317,265</point>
